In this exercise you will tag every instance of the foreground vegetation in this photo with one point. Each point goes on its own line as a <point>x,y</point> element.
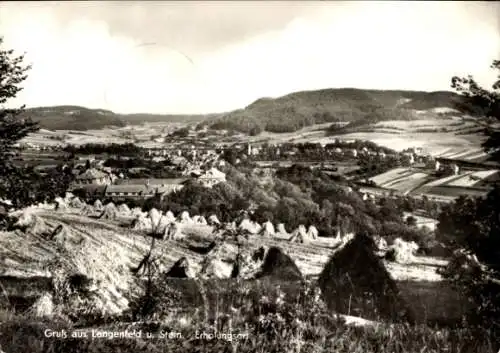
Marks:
<point>264,320</point>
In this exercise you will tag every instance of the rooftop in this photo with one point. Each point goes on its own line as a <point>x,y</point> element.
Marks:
<point>213,173</point>
<point>158,182</point>
<point>91,174</point>
<point>128,188</point>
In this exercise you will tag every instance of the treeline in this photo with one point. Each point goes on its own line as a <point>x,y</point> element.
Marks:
<point>290,118</point>
<point>125,149</point>
<point>26,186</point>
<point>372,165</point>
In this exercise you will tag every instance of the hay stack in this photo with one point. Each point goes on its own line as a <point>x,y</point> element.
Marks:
<point>185,218</point>
<point>61,235</point>
<point>356,282</point>
<point>216,268</point>
<point>87,210</point>
<point>43,307</point>
<point>219,262</point>
<point>154,215</point>
<point>124,209</point>
<point>281,229</point>
<point>162,225</point>
<point>98,205</point>
<point>224,251</point>
<point>181,269</point>
<point>38,226</point>
<point>247,225</point>
<point>25,219</point>
<point>173,232</point>
<point>267,229</point>
<point>137,211</point>
<point>110,212</point>
<point>202,221</point>
<point>312,232</point>
<point>213,220</point>
<point>300,235</point>
<point>142,223</point>
<point>61,204</point>
<point>278,265</point>
<point>249,264</point>
<point>402,252</point>
<point>170,216</point>
<point>76,203</point>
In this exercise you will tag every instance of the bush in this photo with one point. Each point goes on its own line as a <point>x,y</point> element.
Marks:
<point>474,225</point>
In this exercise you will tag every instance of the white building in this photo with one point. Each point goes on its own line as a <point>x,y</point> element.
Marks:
<point>93,176</point>
<point>212,177</point>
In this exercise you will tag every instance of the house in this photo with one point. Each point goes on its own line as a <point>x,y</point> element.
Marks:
<point>178,161</point>
<point>159,186</point>
<point>211,177</point>
<point>93,176</point>
<point>172,186</point>
<point>153,182</point>
<point>124,191</point>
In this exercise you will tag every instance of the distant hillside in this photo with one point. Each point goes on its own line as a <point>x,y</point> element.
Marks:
<point>73,118</point>
<point>297,110</point>
<point>69,117</point>
<point>174,118</point>
<point>284,114</point>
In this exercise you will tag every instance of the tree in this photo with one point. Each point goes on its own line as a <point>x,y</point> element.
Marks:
<point>12,127</point>
<point>411,221</point>
<point>21,186</point>
<point>474,226</point>
<point>485,102</point>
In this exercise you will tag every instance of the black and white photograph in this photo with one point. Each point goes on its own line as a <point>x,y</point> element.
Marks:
<point>250,176</point>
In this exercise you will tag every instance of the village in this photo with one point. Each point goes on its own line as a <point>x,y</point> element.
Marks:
<point>412,173</point>
<point>249,177</point>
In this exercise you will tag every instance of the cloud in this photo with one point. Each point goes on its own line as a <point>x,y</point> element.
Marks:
<point>96,57</point>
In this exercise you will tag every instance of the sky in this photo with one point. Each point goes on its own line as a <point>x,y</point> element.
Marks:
<point>203,57</point>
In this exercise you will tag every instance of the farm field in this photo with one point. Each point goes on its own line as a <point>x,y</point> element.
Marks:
<point>474,179</point>
<point>417,183</point>
<point>432,143</point>
<point>130,245</point>
<point>468,183</point>
<point>403,180</point>
<point>106,250</point>
<point>126,134</point>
